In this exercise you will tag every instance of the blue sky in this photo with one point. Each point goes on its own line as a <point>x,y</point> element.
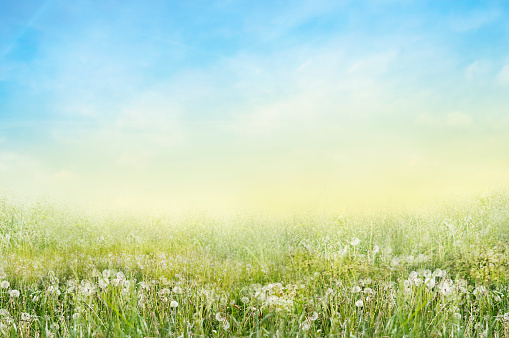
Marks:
<point>296,95</point>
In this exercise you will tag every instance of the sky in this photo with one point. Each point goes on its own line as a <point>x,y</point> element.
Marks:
<point>253,104</point>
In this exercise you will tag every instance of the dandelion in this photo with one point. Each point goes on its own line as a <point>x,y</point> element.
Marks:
<point>219,317</point>
<point>356,289</point>
<point>226,324</point>
<point>177,290</point>
<point>106,273</point>
<point>244,300</point>
<point>25,316</point>
<point>314,316</point>
<point>355,241</point>
<point>305,326</point>
<point>174,304</point>
<point>5,284</point>
<point>376,249</point>
<point>4,313</point>
<point>14,293</point>
<point>457,315</point>
<point>506,317</point>
<point>359,303</point>
<point>413,275</point>
<point>75,315</point>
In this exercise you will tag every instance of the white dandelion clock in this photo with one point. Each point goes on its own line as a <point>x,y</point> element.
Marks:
<point>314,316</point>
<point>177,290</point>
<point>359,303</point>
<point>5,284</point>
<point>356,289</point>
<point>305,326</point>
<point>25,316</point>
<point>174,304</point>
<point>355,241</point>
<point>14,293</point>
<point>219,317</point>
<point>244,300</point>
<point>226,325</point>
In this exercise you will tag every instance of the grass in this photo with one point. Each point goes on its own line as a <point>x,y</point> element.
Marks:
<point>444,272</point>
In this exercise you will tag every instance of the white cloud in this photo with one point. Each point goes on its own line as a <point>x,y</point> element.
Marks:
<point>458,119</point>
<point>477,69</point>
<point>503,75</point>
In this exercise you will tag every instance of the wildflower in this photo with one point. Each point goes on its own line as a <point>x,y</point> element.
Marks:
<point>219,317</point>
<point>232,302</point>
<point>479,290</point>
<point>177,290</point>
<point>106,274</point>
<point>410,259</point>
<point>174,304</point>
<point>4,313</point>
<point>5,284</point>
<point>314,316</point>
<point>329,291</point>
<point>427,273</point>
<point>394,261</point>
<point>359,303</point>
<point>14,293</point>
<point>244,300</point>
<point>506,317</point>
<point>355,241</point>
<point>25,316</point>
<point>226,324</point>
<point>305,326</point>
<point>430,283</point>
<point>413,275</point>
<point>356,289</point>
<point>438,273</point>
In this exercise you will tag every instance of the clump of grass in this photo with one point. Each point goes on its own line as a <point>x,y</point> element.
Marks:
<point>440,273</point>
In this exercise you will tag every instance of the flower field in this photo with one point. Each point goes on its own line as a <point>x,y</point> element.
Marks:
<point>439,273</point>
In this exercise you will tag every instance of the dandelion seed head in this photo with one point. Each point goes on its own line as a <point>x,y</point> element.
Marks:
<point>314,316</point>
<point>5,284</point>
<point>14,293</point>
<point>359,303</point>
<point>356,289</point>
<point>25,316</point>
<point>355,241</point>
<point>174,304</point>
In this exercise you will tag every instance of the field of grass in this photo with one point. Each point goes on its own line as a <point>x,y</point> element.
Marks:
<point>443,272</point>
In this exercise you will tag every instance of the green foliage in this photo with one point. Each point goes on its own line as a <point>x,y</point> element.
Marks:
<point>440,273</point>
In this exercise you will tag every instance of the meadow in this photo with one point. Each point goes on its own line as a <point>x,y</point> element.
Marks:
<point>442,272</point>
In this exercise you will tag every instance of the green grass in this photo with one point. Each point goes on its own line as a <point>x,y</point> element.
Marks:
<point>111,275</point>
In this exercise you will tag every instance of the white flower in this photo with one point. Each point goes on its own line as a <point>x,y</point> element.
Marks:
<point>14,293</point>
<point>356,289</point>
<point>355,241</point>
<point>506,317</point>
<point>410,259</point>
<point>457,315</point>
<point>438,273</point>
<point>395,261</point>
<point>413,275</point>
<point>106,273</point>
<point>25,316</point>
<point>244,300</point>
<point>4,313</point>
<point>75,315</point>
<point>430,283</point>
<point>359,303</point>
<point>5,284</point>
<point>314,316</point>
<point>376,249</point>
<point>219,317</point>
<point>305,326</point>
<point>226,324</point>
<point>174,304</point>
<point>177,290</point>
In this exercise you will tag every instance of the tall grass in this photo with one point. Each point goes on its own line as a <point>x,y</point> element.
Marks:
<point>440,273</point>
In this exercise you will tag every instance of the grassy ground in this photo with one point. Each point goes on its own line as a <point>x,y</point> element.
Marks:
<point>440,273</point>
